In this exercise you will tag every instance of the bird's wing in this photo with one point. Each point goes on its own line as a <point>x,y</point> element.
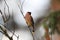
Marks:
<point>32,20</point>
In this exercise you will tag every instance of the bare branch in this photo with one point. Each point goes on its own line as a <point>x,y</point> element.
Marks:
<point>2,15</point>
<point>21,7</point>
<point>4,12</point>
<point>8,11</point>
<point>5,32</point>
<point>21,11</point>
<point>5,19</point>
<point>3,28</point>
<point>1,32</point>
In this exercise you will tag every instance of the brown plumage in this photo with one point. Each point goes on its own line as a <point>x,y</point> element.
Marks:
<point>29,20</point>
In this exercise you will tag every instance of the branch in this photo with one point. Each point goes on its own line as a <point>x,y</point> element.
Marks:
<point>5,32</point>
<point>1,32</point>
<point>8,10</point>
<point>2,16</point>
<point>3,27</point>
<point>5,19</point>
<point>21,8</point>
<point>21,11</point>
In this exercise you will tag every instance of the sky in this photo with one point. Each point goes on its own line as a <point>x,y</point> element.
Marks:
<point>38,8</point>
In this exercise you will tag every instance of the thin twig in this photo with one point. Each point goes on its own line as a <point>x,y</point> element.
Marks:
<point>1,32</point>
<point>21,7</point>
<point>2,16</point>
<point>8,12</point>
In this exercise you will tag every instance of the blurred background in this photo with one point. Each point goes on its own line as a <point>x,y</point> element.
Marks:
<point>39,9</point>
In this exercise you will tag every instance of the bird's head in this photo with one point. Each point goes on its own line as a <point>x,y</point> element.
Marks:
<point>29,13</point>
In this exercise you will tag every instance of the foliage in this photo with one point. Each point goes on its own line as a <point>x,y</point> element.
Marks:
<point>53,21</point>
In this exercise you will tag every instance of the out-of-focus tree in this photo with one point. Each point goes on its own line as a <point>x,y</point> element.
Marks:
<point>6,19</point>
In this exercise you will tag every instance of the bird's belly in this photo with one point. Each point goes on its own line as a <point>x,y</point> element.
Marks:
<point>29,23</point>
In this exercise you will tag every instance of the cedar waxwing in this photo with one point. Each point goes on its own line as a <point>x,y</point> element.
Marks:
<point>29,20</point>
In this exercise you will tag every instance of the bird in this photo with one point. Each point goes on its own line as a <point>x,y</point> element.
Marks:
<point>29,20</point>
